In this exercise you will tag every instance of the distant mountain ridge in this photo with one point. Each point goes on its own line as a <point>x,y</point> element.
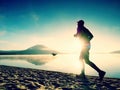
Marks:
<point>118,51</point>
<point>37,49</point>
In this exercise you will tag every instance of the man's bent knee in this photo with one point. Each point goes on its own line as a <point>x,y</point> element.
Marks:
<point>87,61</point>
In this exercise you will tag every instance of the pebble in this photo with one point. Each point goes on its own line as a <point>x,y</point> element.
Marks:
<point>14,78</point>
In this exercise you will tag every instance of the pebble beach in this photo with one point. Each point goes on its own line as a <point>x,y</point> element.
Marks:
<point>16,78</point>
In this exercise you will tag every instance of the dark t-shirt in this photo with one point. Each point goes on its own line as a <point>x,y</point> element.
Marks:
<point>84,33</point>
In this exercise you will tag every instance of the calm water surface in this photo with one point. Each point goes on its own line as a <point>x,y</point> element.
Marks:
<point>68,63</point>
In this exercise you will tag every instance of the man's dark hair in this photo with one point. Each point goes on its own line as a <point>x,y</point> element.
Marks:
<point>81,22</point>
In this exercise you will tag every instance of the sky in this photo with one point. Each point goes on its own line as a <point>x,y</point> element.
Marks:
<point>24,23</point>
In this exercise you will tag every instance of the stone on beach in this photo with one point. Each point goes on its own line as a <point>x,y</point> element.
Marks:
<point>15,78</point>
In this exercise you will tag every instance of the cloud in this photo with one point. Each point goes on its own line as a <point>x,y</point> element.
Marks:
<point>3,42</point>
<point>35,17</point>
<point>7,45</point>
<point>2,33</point>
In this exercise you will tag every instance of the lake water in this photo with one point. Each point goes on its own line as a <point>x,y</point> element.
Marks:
<point>68,63</point>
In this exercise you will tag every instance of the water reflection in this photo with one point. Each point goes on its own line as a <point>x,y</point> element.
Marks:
<point>33,59</point>
<point>65,63</point>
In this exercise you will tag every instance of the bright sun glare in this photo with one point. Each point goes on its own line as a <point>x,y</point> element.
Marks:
<point>77,46</point>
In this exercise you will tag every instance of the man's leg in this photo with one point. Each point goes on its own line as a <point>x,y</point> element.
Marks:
<point>92,64</point>
<point>101,73</point>
<point>82,75</point>
<point>83,67</point>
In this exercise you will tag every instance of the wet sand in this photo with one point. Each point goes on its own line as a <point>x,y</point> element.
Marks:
<point>14,78</point>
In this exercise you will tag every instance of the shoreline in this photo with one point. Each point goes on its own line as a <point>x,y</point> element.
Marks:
<point>12,78</point>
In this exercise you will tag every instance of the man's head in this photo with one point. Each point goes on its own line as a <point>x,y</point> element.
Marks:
<point>81,22</point>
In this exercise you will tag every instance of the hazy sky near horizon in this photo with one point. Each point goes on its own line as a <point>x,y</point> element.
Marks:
<point>24,23</point>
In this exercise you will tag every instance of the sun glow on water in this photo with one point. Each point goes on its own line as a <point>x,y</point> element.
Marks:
<point>68,63</point>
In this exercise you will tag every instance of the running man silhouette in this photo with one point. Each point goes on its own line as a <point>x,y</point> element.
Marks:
<point>85,36</point>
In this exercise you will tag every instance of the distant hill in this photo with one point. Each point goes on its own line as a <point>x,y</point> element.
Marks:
<point>37,49</point>
<point>118,51</point>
